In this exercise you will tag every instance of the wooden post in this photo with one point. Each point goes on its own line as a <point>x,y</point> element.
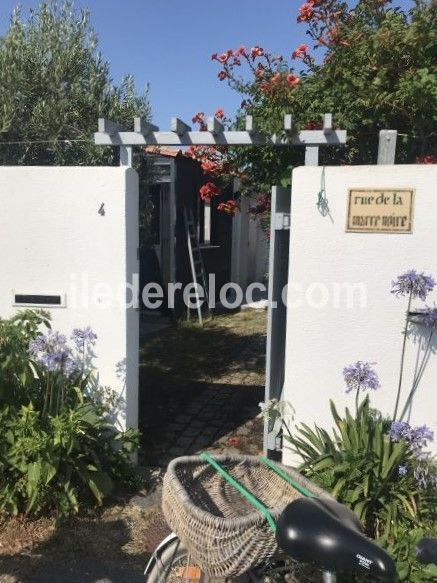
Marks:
<point>387,146</point>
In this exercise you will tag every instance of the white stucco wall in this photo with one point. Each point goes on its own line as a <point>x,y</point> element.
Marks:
<point>53,240</point>
<point>324,334</point>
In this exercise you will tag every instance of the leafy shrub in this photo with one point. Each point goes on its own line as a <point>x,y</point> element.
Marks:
<point>378,466</point>
<point>58,445</point>
<point>18,383</point>
<point>364,468</point>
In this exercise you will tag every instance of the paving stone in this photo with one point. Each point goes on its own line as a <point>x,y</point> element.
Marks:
<point>190,432</point>
<point>183,419</point>
<point>175,427</point>
<point>184,440</point>
<point>176,451</point>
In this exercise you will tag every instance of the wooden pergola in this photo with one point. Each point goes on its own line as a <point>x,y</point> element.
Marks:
<point>181,134</point>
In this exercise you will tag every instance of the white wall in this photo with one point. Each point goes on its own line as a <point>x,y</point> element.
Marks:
<point>250,248</point>
<point>322,339</point>
<point>54,240</point>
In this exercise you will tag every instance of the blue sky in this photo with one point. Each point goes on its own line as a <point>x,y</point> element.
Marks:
<point>168,44</point>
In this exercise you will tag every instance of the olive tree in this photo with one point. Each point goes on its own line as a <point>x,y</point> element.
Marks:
<point>54,85</point>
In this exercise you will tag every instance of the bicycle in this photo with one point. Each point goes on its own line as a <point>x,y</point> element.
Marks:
<point>311,530</point>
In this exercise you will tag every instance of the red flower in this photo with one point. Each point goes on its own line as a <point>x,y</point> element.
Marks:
<point>313,125</point>
<point>260,70</point>
<point>220,113</point>
<point>292,80</point>
<point>208,166</point>
<point>224,57</point>
<point>230,207</point>
<point>256,52</point>
<point>240,51</point>
<point>275,78</point>
<point>300,52</point>
<point>233,441</point>
<point>427,159</point>
<point>222,75</point>
<point>306,11</point>
<point>209,190</point>
<point>199,117</point>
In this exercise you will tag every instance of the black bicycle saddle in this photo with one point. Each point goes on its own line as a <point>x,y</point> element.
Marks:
<point>323,532</point>
<point>426,551</point>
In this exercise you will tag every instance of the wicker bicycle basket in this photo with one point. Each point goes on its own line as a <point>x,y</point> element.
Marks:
<point>224,533</point>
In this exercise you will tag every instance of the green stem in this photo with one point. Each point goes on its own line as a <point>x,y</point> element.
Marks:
<point>357,400</point>
<point>51,396</point>
<point>46,396</point>
<point>418,377</point>
<point>404,344</point>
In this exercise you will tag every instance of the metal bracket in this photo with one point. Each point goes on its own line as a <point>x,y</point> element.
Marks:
<point>282,221</point>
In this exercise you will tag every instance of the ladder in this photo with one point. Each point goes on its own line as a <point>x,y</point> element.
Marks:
<point>196,263</point>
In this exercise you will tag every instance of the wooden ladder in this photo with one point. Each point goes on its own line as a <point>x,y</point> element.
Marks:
<point>196,263</point>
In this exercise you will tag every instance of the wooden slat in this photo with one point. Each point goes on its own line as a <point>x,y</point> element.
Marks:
<point>327,122</point>
<point>142,126</point>
<point>215,126</point>
<point>250,125</point>
<point>288,122</point>
<point>230,138</point>
<point>179,127</point>
<point>387,146</point>
<point>311,156</point>
<point>107,126</point>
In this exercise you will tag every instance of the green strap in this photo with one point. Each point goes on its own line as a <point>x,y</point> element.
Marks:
<point>249,497</point>
<point>286,477</point>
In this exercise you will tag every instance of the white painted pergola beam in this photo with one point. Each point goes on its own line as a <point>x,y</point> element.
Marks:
<point>215,126</point>
<point>179,127</point>
<point>142,126</point>
<point>107,126</point>
<point>249,124</point>
<point>226,138</point>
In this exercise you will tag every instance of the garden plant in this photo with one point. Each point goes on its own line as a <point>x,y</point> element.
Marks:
<point>59,449</point>
<point>379,466</point>
<point>369,62</point>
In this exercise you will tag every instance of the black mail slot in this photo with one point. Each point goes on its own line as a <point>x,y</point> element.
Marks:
<point>38,299</point>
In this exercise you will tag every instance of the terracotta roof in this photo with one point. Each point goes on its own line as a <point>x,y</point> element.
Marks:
<point>163,151</point>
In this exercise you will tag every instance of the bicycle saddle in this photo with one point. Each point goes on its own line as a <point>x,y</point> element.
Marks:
<point>426,551</point>
<point>326,533</point>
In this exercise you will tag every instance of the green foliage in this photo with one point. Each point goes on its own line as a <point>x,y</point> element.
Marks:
<point>359,464</point>
<point>403,548</point>
<point>53,464</point>
<point>53,459</point>
<point>54,86</point>
<point>18,384</point>
<point>378,71</point>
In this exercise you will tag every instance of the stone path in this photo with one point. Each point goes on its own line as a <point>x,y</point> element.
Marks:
<point>222,417</point>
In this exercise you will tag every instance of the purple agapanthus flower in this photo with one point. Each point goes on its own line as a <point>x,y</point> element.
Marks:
<point>421,475</point>
<point>417,437</point>
<point>53,353</point>
<point>417,284</point>
<point>360,376</point>
<point>83,336</point>
<point>403,470</point>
